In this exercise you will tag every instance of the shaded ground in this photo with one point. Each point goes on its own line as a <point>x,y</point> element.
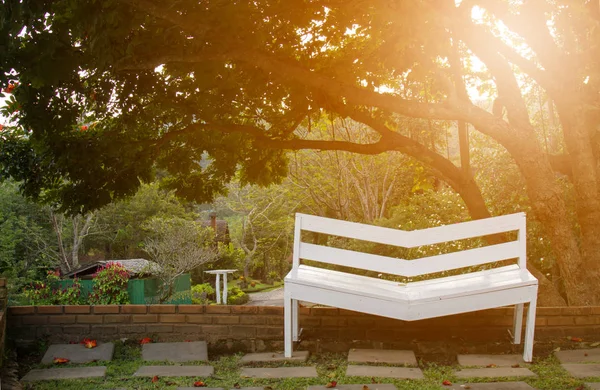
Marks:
<point>267,298</point>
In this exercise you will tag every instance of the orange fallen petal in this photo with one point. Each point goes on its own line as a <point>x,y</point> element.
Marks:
<point>145,340</point>
<point>331,384</point>
<point>576,339</point>
<point>199,384</point>
<point>59,360</point>
<point>447,383</point>
<point>155,378</point>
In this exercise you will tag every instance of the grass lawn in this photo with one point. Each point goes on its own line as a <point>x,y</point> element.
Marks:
<point>257,288</point>
<point>331,366</point>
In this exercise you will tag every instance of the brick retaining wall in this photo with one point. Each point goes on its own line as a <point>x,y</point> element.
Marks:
<point>252,328</point>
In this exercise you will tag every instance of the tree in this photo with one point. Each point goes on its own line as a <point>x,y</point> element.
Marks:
<point>177,246</point>
<point>165,83</point>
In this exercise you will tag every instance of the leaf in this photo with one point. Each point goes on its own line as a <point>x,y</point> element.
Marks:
<point>155,378</point>
<point>331,384</point>
<point>576,339</point>
<point>331,375</point>
<point>200,384</point>
<point>491,365</point>
<point>90,344</point>
<point>237,386</point>
<point>59,360</point>
<point>145,340</point>
<point>447,383</point>
<point>516,366</point>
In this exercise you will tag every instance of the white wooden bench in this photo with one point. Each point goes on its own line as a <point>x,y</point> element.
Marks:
<point>436,297</point>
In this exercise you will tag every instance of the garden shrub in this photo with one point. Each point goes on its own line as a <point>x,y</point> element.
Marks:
<point>110,285</point>
<point>202,294</point>
<point>235,296</point>
<point>49,292</point>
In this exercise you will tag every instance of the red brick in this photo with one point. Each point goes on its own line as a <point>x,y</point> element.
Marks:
<point>269,332</point>
<point>183,328</point>
<point>2,282</point>
<point>595,310</point>
<point>76,329</point>
<point>252,320</point>
<point>190,309</point>
<point>215,330</point>
<point>132,329</point>
<point>199,319</point>
<point>49,309</point>
<point>172,318</point>
<point>575,311</point>
<point>144,318</point>
<point>548,311</point>
<point>77,309</point>
<point>106,309</point>
<point>43,331</point>
<point>587,320</point>
<point>244,309</point>
<point>117,319</point>
<point>159,328</point>
<point>226,320</point>
<point>161,309</point>
<point>274,320</point>
<point>333,321</point>
<point>324,311</point>
<point>540,321</point>
<point>133,309</point>
<point>21,310</point>
<point>271,310</point>
<point>304,311</point>
<point>310,321</point>
<point>109,330</point>
<point>89,319</point>
<point>243,331</point>
<point>35,320</point>
<point>559,321</point>
<point>216,309</point>
<point>352,334</point>
<point>62,319</point>
<point>344,312</point>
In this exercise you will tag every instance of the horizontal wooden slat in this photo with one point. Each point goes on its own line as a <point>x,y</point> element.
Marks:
<point>415,238</point>
<point>410,268</point>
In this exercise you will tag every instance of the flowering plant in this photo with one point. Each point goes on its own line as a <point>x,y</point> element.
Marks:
<point>110,285</point>
<point>49,293</point>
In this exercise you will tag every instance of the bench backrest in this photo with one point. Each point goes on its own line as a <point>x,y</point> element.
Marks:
<point>411,239</point>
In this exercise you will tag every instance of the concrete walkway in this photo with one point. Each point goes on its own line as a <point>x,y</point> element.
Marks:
<point>269,298</point>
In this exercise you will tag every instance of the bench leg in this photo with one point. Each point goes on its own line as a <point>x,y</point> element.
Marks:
<point>295,319</point>
<point>529,331</point>
<point>518,323</point>
<point>287,324</point>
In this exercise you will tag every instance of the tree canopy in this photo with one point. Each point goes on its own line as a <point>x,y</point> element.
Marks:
<point>105,92</point>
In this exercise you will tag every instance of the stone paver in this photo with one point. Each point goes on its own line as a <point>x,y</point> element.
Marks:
<point>582,370</point>
<point>280,372</point>
<point>297,356</point>
<point>175,352</point>
<point>593,385</point>
<point>486,360</point>
<point>64,373</point>
<point>203,371</point>
<point>377,386</point>
<point>493,372</point>
<point>382,356</point>
<point>491,386</point>
<point>579,355</point>
<point>385,372</point>
<point>77,353</point>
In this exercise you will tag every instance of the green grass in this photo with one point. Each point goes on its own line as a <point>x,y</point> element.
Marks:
<point>259,287</point>
<point>330,366</point>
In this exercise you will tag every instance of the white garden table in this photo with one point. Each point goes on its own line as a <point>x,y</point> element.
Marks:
<point>220,272</point>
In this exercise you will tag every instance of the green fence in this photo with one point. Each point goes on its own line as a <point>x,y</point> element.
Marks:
<point>144,291</point>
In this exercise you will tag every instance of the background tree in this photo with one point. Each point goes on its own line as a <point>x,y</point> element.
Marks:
<point>166,84</point>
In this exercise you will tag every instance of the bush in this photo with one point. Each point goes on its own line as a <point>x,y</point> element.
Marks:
<point>202,293</point>
<point>235,296</point>
<point>273,277</point>
<point>110,285</point>
<point>47,292</point>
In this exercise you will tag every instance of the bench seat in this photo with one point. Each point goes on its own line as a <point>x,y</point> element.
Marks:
<point>408,301</point>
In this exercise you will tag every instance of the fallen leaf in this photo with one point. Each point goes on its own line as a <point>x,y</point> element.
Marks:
<point>331,384</point>
<point>199,384</point>
<point>237,386</point>
<point>585,354</point>
<point>365,387</point>
<point>90,344</point>
<point>59,360</point>
<point>594,344</point>
<point>373,380</point>
<point>155,378</point>
<point>516,366</point>
<point>447,383</point>
<point>576,339</point>
<point>146,340</point>
<point>491,365</point>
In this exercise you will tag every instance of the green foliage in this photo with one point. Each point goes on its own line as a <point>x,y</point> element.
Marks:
<point>273,276</point>
<point>47,292</point>
<point>110,285</point>
<point>235,296</point>
<point>202,294</point>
